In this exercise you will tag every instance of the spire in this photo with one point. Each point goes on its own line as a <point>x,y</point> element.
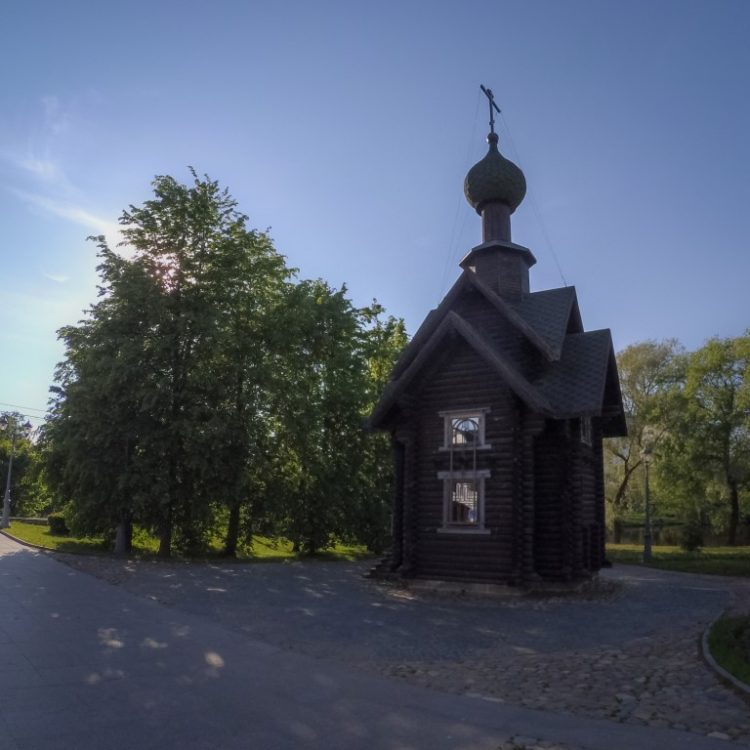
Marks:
<point>493,107</point>
<point>494,186</point>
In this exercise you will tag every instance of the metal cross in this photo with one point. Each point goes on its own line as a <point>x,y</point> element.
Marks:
<point>493,107</point>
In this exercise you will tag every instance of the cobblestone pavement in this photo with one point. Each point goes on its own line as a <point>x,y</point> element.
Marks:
<point>629,653</point>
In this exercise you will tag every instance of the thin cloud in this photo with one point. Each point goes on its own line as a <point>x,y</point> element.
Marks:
<point>66,210</point>
<point>71,212</point>
<point>56,117</point>
<point>37,167</point>
<point>40,180</point>
<point>59,278</point>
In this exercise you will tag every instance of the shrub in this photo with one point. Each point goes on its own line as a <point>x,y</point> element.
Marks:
<point>691,539</point>
<point>57,524</point>
<point>729,641</point>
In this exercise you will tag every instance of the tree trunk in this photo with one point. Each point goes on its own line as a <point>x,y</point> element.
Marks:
<point>619,497</point>
<point>165,536</point>
<point>734,515</point>
<point>617,531</point>
<point>233,531</point>
<point>124,536</point>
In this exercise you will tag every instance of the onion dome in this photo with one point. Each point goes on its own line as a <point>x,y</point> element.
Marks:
<point>494,179</point>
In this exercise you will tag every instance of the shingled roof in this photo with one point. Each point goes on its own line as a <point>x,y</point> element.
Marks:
<point>483,346</point>
<point>576,386</point>
<point>580,381</point>
<point>542,317</point>
<point>549,314</point>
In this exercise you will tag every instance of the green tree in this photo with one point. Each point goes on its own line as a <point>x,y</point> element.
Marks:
<point>327,477</point>
<point>650,377</point>
<point>708,451</point>
<point>94,440</point>
<point>206,386</point>
<point>140,428</point>
<point>319,413</point>
<point>369,510</point>
<point>253,287</point>
<point>28,491</point>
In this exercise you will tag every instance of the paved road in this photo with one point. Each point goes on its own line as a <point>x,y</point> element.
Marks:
<point>632,657</point>
<point>87,665</point>
<point>328,610</point>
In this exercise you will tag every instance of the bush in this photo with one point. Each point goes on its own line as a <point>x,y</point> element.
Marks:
<point>57,524</point>
<point>691,539</point>
<point>729,642</point>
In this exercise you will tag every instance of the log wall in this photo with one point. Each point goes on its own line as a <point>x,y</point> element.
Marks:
<point>465,381</point>
<point>543,500</point>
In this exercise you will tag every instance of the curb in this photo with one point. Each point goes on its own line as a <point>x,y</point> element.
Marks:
<point>24,543</point>
<point>735,682</point>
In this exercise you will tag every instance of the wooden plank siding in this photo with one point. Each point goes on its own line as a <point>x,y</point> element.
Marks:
<point>569,506</point>
<point>550,485</point>
<point>465,381</point>
<point>543,498</point>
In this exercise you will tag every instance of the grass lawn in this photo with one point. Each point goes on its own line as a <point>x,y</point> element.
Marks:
<point>729,641</point>
<point>265,549</point>
<point>722,561</point>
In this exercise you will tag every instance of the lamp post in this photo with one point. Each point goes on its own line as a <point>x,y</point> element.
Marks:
<point>647,454</point>
<point>647,524</point>
<point>11,424</point>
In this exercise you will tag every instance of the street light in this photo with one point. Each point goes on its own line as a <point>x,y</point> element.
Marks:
<point>15,429</point>
<point>647,454</point>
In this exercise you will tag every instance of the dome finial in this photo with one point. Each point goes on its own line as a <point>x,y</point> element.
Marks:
<point>493,108</point>
<point>494,179</point>
<point>494,186</point>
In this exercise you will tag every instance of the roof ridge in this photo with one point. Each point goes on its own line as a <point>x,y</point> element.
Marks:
<point>516,380</point>
<point>429,325</point>
<point>513,317</point>
<point>569,289</point>
<point>536,308</point>
<point>525,390</point>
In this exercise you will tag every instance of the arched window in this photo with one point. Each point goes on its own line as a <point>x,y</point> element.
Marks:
<point>464,431</point>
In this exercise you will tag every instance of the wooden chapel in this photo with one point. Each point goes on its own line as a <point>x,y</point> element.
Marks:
<point>497,409</point>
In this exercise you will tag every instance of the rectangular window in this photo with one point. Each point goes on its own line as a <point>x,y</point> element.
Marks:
<point>463,497</point>
<point>463,502</point>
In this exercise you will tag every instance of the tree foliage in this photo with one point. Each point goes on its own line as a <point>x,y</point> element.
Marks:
<point>207,386</point>
<point>650,375</point>
<point>707,451</point>
<point>28,491</point>
<point>694,409</point>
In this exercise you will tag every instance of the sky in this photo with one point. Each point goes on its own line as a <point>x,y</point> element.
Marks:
<point>346,128</point>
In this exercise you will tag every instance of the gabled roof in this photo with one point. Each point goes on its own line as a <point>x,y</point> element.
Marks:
<point>454,323</point>
<point>575,385</point>
<point>549,314</point>
<point>522,317</point>
<point>579,375</point>
<point>512,316</point>
<point>584,382</point>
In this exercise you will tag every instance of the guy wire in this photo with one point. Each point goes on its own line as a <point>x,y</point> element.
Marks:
<point>534,206</point>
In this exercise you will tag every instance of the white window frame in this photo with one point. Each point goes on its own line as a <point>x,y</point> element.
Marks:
<point>448,478</point>
<point>480,415</point>
<point>586,431</point>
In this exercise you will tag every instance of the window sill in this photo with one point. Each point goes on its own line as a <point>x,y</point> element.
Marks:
<point>468,473</point>
<point>461,530</point>
<point>464,448</point>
